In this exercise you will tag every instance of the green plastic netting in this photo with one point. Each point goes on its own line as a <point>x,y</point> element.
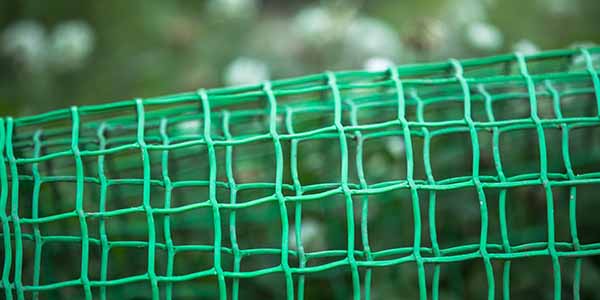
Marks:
<point>462,179</point>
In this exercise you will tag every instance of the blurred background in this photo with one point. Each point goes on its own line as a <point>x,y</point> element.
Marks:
<point>55,54</point>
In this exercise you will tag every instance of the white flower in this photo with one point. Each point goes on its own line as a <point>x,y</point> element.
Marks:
<point>375,64</point>
<point>462,12</point>
<point>312,236</point>
<point>395,146</point>
<point>233,8</point>
<point>264,33</point>
<point>25,42</point>
<point>314,23</point>
<point>72,43</point>
<point>189,127</point>
<point>525,47</point>
<point>560,7</point>
<point>484,36</point>
<point>579,61</point>
<point>372,37</point>
<point>431,35</point>
<point>244,71</point>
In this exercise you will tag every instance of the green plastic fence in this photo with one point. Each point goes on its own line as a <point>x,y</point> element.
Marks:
<point>393,184</point>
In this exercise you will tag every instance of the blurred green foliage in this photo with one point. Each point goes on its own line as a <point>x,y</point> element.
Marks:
<point>147,48</point>
<point>76,53</point>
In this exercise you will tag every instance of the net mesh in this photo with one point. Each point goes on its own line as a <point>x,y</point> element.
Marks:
<point>336,185</point>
